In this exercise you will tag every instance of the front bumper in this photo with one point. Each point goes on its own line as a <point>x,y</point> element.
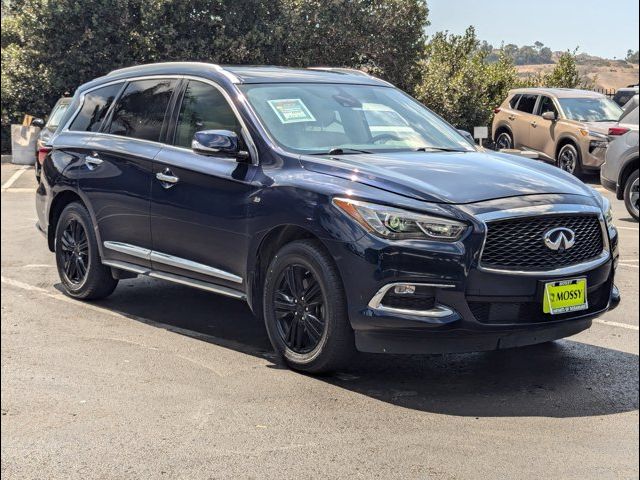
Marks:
<point>473,310</point>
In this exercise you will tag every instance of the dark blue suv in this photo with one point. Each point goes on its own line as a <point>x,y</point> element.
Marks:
<point>346,214</point>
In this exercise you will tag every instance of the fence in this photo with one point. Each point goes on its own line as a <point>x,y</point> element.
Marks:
<point>609,92</point>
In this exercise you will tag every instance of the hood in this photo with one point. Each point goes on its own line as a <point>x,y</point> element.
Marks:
<point>449,177</point>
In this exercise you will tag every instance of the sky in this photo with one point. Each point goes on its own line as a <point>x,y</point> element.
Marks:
<point>601,28</point>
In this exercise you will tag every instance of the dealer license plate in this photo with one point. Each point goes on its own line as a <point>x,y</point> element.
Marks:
<point>565,296</point>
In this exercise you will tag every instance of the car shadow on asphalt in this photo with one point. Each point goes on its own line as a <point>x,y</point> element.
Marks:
<point>561,379</point>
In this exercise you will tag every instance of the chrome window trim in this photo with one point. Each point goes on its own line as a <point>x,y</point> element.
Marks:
<point>153,255</point>
<point>439,311</point>
<point>543,210</point>
<point>255,160</point>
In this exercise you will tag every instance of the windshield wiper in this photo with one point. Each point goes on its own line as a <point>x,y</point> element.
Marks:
<point>607,120</point>
<point>439,149</point>
<point>341,151</point>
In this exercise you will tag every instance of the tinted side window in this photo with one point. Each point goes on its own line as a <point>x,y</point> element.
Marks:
<point>203,108</point>
<point>546,105</point>
<point>140,111</point>
<point>514,101</point>
<point>95,107</point>
<point>527,103</point>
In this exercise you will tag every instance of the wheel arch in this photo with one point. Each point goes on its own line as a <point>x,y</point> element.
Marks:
<point>58,204</point>
<point>269,244</point>
<point>562,141</point>
<point>628,167</point>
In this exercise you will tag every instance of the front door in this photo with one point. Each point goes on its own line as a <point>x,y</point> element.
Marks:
<point>199,203</point>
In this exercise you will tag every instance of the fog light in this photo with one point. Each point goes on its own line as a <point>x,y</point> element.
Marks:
<point>404,289</point>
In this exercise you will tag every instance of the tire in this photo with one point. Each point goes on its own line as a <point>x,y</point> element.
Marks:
<point>631,194</point>
<point>313,334</point>
<point>569,160</point>
<point>504,141</point>
<point>77,257</point>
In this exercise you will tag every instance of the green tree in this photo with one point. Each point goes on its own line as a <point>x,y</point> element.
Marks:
<point>633,56</point>
<point>459,83</point>
<point>566,74</point>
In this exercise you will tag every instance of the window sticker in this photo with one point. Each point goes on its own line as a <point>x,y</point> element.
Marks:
<point>291,110</point>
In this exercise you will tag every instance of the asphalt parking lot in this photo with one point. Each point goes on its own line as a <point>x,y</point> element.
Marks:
<point>162,381</point>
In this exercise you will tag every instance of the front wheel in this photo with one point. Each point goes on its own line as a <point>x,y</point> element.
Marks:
<point>631,194</point>
<point>305,309</point>
<point>569,160</point>
<point>77,258</point>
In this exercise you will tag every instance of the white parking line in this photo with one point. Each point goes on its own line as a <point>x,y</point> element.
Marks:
<point>14,177</point>
<point>628,265</point>
<point>59,296</point>
<point>617,324</point>
<point>19,190</point>
<point>635,229</point>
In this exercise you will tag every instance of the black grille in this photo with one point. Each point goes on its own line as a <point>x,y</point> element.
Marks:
<point>502,313</point>
<point>518,244</point>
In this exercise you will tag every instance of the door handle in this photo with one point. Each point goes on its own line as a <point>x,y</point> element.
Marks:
<point>167,179</point>
<point>92,161</point>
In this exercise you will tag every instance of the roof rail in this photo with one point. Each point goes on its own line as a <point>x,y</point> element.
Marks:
<point>353,71</point>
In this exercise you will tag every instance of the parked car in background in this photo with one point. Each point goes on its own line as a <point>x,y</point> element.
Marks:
<point>565,127</point>
<point>623,95</point>
<point>48,128</point>
<point>619,172</point>
<point>345,213</point>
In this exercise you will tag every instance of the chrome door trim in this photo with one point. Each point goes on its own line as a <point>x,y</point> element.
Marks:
<point>193,266</point>
<point>172,260</point>
<point>128,249</point>
<point>229,292</point>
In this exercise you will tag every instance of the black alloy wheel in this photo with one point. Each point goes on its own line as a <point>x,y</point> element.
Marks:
<point>75,252</point>
<point>299,309</point>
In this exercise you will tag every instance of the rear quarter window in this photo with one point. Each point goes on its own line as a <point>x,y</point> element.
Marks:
<point>94,108</point>
<point>514,101</point>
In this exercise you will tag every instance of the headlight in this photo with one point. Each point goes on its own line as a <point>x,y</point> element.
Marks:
<point>608,213</point>
<point>594,135</point>
<point>397,224</point>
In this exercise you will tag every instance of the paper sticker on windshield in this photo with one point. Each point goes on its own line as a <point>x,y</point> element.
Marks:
<point>291,110</point>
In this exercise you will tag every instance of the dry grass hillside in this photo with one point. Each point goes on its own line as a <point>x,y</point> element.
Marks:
<point>612,76</point>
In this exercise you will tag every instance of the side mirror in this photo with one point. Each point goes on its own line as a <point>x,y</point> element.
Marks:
<point>37,122</point>
<point>550,116</point>
<point>218,143</point>
<point>467,136</point>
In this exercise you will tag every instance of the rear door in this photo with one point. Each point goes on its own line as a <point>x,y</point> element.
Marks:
<point>543,135</point>
<point>119,169</point>
<point>524,116</point>
<point>198,223</point>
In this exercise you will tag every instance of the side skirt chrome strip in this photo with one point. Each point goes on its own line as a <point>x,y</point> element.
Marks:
<point>194,266</point>
<point>170,277</point>
<point>174,261</point>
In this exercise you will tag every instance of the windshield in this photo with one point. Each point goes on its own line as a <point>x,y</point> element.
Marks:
<point>56,115</point>
<point>322,118</point>
<point>590,109</point>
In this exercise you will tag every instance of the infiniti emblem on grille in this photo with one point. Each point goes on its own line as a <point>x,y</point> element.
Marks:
<point>560,239</point>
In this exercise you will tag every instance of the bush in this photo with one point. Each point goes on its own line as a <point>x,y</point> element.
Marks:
<point>459,83</point>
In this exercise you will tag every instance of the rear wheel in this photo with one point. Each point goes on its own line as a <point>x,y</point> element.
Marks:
<point>631,194</point>
<point>305,309</point>
<point>79,267</point>
<point>569,160</point>
<point>504,141</point>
